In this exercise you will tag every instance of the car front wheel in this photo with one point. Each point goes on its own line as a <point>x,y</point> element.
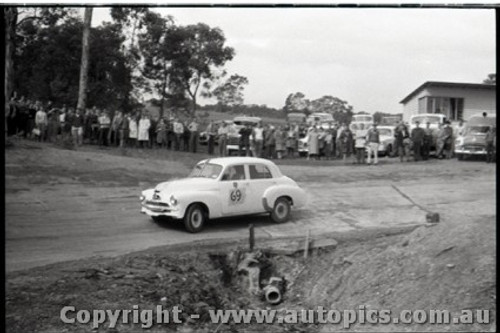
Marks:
<point>195,218</point>
<point>281,210</point>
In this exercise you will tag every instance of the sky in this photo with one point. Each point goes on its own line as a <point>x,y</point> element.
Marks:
<point>370,57</point>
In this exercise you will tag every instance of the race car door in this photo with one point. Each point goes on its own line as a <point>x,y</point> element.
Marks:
<point>234,190</point>
<point>261,179</point>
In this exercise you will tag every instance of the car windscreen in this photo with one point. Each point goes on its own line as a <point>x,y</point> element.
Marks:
<point>384,131</point>
<point>362,118</point>
<point>426,119</point>
<point>474,130</point>
<point>206,170</point>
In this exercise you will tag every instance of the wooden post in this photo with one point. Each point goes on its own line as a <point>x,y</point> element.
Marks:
<point>306,244</point>
<point>251,237</point>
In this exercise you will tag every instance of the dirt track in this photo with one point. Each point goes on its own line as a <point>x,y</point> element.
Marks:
<point>63,205</point>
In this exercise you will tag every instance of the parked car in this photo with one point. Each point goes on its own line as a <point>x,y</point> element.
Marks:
<point>365,119</point>
<point>203,137</point>
<point>473,141</point>
<point>227,186</point>
<point>233,139</point>
<point>386,146</point>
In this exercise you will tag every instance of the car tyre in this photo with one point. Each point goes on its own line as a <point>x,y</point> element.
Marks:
<point>195,218</point>
<point>460,157</point>
<point>281,210</point>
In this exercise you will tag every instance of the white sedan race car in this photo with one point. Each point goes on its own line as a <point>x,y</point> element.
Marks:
<point>228,186</point>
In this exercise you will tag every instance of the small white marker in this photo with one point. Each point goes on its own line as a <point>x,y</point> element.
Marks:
<point>195,316</point>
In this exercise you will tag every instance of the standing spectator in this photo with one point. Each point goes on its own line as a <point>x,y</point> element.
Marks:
<point>258,138</point>
<point>77,128</point>
<point>339,145</point>
<point>41,122</point>
<point>223,133</point>
<point>94,125</point>
<point>210,130</point>
<point>152,132</point>
<point>193,139</point>
<point>132,130</point>
<point>244,143</point>
<point>491,138</point>
<point>104,125</point>
<point>114,133</point>
<point>124,128</point>
<point>52,125</point>
<point>271,143</point>
<point>279,138</point>
<point>444,138</point>
<point>373,140</point>
<point>334,131</point>
<point>328,144</point>
<point>66,130</point>
<point>321,142</point>
<point>417,138</point>
<point>170,134</point>
<point>347,140</point>
<point>87,125</point>
<point>291,141</point>
<point>400,135</point>
<point>186,136</point>
<point>23,117</point>
<point>31,118</point>
<point>178,131</point>
<point>161,133</point>
<point>143,130</point>
<point>360,144</point>
<point>428,138</point>
<point>313,143</point>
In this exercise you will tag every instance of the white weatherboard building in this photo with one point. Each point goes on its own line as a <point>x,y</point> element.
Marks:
<point>455,100</point>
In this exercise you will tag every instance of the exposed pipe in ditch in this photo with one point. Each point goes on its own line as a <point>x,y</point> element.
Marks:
<point>273,292</point>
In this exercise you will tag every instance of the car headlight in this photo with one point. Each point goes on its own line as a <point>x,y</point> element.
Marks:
<point>173,201</point>
<point>142,198</point>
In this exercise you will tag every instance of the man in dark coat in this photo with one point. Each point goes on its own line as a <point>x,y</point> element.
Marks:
<point>400,134</point>
<point>417,137</point>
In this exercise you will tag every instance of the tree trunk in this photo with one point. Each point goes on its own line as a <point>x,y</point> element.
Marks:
<point>10,15</point>
<point>84,67</point>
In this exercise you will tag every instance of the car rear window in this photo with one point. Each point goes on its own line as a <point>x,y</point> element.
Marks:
<point>259,171</point>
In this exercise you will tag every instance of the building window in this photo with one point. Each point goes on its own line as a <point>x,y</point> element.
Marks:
<point>452,108</point>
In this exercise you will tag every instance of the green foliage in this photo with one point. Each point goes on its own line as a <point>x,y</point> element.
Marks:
<point>230,92</point>
<point>340,109</point>
<point>491,79</point>
<point>48,64</point>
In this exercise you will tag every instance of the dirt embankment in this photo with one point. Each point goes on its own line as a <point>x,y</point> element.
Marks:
<point>450,266</point>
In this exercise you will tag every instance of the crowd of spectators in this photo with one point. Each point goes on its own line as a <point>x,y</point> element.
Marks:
<point>44,122</point>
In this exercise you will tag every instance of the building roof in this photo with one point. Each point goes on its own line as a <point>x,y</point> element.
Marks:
<point>429,84</point>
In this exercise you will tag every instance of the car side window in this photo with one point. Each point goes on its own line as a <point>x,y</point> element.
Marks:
<point>234,172</point>
<point>259,171</point>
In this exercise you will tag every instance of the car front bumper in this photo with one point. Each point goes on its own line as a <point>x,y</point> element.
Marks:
<point>475,151</point>
<point>160,209</point>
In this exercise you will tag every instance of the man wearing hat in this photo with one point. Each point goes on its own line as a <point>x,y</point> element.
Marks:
<point>426,147</point>
<point>417,137</point>
<point>372,141</point>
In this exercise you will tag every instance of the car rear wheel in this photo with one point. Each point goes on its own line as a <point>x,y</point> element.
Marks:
<point>281,210</point>
<point>195,218</point>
